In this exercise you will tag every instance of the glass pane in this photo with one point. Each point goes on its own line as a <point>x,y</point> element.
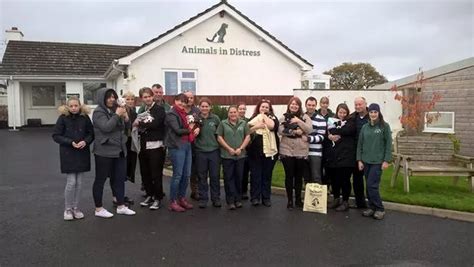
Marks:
<point>171,83</point>
<point>90,92</point>
<point>440,120</point>
<point>188,86</point>
<point>43,96</point>
<point>188,74</point>
<point>319,85</point>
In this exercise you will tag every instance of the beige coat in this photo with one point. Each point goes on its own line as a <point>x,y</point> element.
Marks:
<point>295,147</point>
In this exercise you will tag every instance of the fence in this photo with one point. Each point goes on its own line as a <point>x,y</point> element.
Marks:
<point>389,107</point>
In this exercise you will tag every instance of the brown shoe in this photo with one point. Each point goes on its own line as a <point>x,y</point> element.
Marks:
<point>195,196</point>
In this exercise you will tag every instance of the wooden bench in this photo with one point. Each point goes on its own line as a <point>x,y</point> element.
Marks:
<point>429,155</point>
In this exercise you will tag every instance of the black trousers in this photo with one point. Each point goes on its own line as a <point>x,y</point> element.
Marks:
<point>194,179</point>
<point>358,187</point>
<point>294,170</point>
<point>245,177</point>
<point>115,168</point>
<point>340,181</point>
<point>151,168</point>
<point>131,161</point>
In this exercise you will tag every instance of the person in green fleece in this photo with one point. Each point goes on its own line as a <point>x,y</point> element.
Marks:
<point>208,155</point>
<point>374,152</point>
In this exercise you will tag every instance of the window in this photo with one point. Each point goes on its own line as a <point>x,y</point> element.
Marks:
<point>319,85</point>
<point>90,92</point>
<point>43,96</point>
<point>439,122</point>
<point>178,81</point>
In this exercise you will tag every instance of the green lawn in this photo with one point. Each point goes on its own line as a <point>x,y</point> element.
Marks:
<point>437,192</point>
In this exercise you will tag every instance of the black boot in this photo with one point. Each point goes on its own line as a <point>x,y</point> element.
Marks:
<point>335,203</point>
<point>289,205</point>
<point>298,202</point>
<point>343,207</point>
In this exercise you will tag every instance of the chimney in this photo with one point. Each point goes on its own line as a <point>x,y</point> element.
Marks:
<point>13,35</point>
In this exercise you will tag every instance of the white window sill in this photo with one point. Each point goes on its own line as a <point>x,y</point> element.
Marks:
<point>445,131</point>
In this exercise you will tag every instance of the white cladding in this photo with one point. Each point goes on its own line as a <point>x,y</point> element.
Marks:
<point>269,73</point>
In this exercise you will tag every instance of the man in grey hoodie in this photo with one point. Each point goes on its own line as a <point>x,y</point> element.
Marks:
<point>110,150</point>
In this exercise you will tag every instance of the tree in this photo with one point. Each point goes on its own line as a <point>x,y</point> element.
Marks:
<point>358,76</point>
<point>416,105</point>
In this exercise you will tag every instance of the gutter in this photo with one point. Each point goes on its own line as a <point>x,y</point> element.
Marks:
<point>53,77</point>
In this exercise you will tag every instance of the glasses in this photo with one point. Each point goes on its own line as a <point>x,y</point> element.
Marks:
<point>267,101</point>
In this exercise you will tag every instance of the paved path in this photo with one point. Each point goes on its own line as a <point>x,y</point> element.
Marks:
<point>32,231</point>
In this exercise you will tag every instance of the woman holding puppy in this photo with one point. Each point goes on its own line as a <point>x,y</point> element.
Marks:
<point>110,150</point>
<point>180,135</point>
<point>339,156</point>
<point>294,128</point>
<point>152,151</point>
<point>262,152</point>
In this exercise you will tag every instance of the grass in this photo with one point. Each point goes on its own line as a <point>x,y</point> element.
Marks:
<point>436,192</point>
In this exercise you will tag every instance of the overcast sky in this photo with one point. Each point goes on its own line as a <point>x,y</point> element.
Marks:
<point>396,37</point>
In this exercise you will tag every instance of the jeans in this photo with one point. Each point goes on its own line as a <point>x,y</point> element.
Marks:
<point>233,171</point>
<point>315,169</point>
<point>340,181</point>
<point>116,169</point>
<point>72,192</point>
<point>294,169</point>
<point>373,174</point>
<point>358,187</point>
<point>181,159</point>
<point>151,167</point>
<point>261,177</point>
<point>208,165</point>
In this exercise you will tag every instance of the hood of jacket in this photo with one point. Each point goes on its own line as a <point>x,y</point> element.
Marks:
<point>83,110</point>
<point>101,97</point>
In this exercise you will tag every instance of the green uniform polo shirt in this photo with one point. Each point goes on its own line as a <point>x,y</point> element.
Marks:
<point>206,141</point>
<point>233,135</point>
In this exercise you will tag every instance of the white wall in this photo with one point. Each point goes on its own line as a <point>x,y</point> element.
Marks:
<point>271,73</point>
<point>15,104</point>
<point>48,115</point>
<point>389,107</point>
<point>3,100</point>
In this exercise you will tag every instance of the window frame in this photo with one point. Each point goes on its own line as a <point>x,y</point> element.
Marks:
<point>450,130</point>
<point>181,79</point>
<point>84,92</point>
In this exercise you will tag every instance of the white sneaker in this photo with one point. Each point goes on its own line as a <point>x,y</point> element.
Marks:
<point>156,205</point>
<point>68,215</point>
<point>148,201</point>
<point>125,211</point>
<point>77,213</point>
<point>103,213</point>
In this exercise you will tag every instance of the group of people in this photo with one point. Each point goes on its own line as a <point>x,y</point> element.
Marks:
<point>314,146</point>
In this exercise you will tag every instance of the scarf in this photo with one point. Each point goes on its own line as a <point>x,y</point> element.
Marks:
<point>184,120</point>
<point>269,140</point>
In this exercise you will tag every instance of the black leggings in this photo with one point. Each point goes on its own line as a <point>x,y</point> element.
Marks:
<point>340,180</point>
<point>294,170</point>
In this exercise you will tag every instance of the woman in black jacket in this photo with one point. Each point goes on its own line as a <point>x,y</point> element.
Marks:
<point>263,123</point>
<point>152,151</point>
<point>74,134</point>
<point>340,156</point>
